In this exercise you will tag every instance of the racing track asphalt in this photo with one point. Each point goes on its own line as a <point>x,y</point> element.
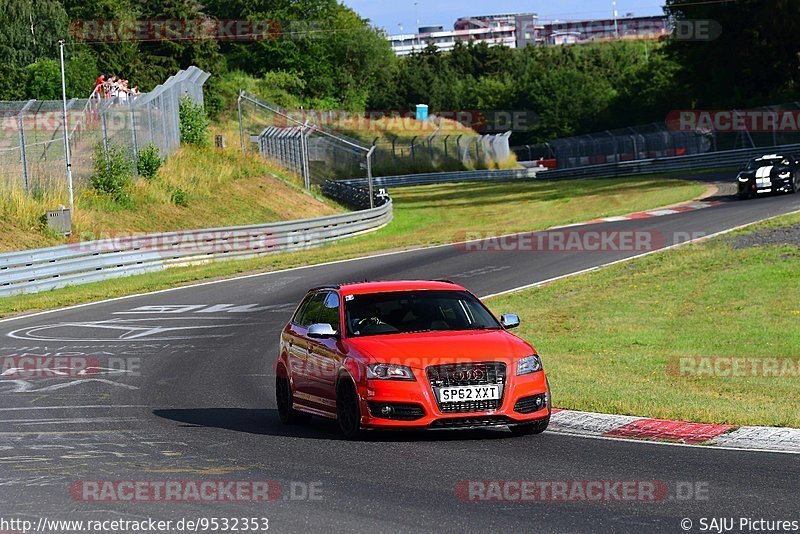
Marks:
<point>202,407</point>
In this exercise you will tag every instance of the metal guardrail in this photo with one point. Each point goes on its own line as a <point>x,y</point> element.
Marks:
<point>729,158</point>
<point>445,177</point>
<point>32,271</point>
<point>353,196</point>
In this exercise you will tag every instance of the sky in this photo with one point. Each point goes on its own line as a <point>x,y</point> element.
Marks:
<point>389,14</point>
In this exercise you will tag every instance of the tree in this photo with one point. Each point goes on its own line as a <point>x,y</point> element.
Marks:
<point>753,61</point>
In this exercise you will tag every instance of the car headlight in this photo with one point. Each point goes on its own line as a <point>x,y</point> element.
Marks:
<point>743,178</point>
<point>529,365</point>
<point>784,175</point>
<point>388,371</point>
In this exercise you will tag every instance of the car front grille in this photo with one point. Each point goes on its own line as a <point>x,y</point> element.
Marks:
<point>471,422</point>
<point>470,374</point>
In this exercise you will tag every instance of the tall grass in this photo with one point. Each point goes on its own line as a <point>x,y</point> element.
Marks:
<point>196,187</point>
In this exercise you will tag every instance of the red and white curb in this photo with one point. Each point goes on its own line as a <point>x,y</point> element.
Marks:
<point>662,430</point>
<point>692,206</point>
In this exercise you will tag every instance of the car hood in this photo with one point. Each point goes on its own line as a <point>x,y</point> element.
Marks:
<point>767,171</point>
<point>420,350</point>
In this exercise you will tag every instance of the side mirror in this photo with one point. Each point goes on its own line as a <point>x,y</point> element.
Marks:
<point>321,331</point>
<point>509,321</point>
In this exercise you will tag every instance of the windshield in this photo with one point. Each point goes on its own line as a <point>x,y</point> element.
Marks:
<point>766,162</point>
<point>415,311</point>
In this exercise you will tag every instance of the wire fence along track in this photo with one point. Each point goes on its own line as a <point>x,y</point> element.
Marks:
<point>38,270</point>
<point>32,137</point>
<point>307,148</point>
<point>659,140</point>
<point>300,146</point>
<point>730,158</point>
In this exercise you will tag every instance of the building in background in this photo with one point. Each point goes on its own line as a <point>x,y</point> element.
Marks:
<point>582,31</point>
<point>523,29</point>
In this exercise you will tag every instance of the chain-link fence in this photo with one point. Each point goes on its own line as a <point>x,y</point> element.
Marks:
<point>612,146</point>
<point>32,139</point>
<point>303,148</point>
<point>438,152</point>
<point>716,131</point>
<point>284,136</point>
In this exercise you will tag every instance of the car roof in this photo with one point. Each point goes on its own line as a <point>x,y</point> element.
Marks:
<point>363,288</point>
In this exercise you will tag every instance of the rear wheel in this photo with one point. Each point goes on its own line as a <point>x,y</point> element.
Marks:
<point>285,401</point>
<point>348,409</point>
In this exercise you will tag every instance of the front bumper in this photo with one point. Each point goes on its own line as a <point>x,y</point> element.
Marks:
<point>416,402</point>
<point>774,185</point>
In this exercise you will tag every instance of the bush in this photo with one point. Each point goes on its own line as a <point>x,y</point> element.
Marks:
<point>180,198</point>
<point>149,162</point>
<point>114,175</point>
<point>193,122</point>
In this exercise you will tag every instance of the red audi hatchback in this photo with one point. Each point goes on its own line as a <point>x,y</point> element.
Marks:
<point>408,355</point>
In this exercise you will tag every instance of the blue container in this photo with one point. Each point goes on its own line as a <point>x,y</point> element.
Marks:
<point>422,112</point>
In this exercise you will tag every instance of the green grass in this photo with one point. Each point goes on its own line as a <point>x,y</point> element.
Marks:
<point>222,188</point>
<point>607,338</point>
<point>425,215</point>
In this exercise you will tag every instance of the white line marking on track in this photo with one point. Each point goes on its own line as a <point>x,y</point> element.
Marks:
<point>666,443</point>
<point>623,260</point>
<point>282,271</point>
<point>93,407</point>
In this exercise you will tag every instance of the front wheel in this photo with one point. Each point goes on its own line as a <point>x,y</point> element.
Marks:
<point>285,401</point>
<point>348,409</point>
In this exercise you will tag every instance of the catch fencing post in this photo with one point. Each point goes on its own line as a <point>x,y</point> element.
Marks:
<point>305,132</point>
<point>135,141</point>
<point>369,176</point>
<point>103,109</point>
<point>241,126</point>
<point>23,156</point>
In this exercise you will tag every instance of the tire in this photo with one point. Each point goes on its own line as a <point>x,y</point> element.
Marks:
<point>348,409</point>
<point>285,400</point>
<point>744,196</point>
<point>529,429</point>
<point>794,187</point>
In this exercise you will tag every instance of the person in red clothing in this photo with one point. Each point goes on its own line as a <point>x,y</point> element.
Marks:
<point>98,86</point>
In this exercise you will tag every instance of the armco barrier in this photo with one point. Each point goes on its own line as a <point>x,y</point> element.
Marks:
<point>696,162</point>
<point>353,196</point>
<point>728,158</point>
<point>32,271</point>
<point>444,177</point>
